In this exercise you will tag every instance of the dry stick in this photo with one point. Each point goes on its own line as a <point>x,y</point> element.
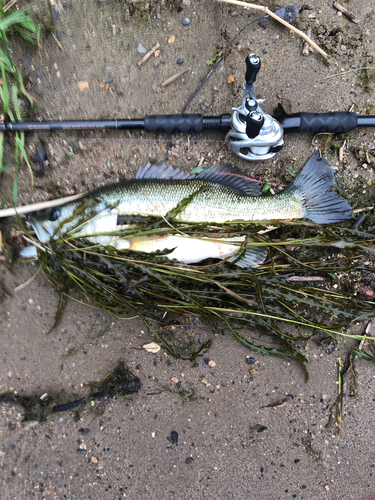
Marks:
<point>9,212</point>
<point>9,5</point>
<point>306,47</point>
<point>359,210</point>
<point>305,278</point>
<point>346,13</point>
<point>174,77</point>
<point>149,53</point>
<point>345,72</point>
<point>272,14</point>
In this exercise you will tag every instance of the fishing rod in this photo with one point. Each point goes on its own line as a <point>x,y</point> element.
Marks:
<point>250,133</point>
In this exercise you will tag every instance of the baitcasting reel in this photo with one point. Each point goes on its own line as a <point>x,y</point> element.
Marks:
<point>254,135</point>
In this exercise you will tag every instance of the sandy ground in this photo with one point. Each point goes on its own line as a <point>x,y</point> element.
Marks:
<point>128,451</point>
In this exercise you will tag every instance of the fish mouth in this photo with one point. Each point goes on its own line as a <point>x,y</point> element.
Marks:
<point>41,232</point>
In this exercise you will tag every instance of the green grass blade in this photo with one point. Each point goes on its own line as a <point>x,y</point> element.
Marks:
<point>15,102</point>
<point>1,151</point>
<point>20,144</point>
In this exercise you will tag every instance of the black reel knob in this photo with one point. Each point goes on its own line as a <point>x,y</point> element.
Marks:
<point>254,123</point>
<point>252,68</point>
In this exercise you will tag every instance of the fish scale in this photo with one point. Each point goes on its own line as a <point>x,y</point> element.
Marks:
<point>211,203</point>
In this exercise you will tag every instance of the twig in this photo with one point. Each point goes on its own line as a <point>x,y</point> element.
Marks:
<point>305,278</point>
<point>149,53</point>
<point>9,212</point>
<point>9,5</point>
<point>345,72</point>
<point>58,43</point>
<point>272,14</point>
<point>174,77</point>
<point>346,13</point>
<point>306,47</point>
<point>359,210</point>
<point>34,243</point>
<point>341,151</point>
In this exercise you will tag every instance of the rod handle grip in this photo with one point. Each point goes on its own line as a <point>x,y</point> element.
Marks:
<point>172,124</point>
<point>335,122</point>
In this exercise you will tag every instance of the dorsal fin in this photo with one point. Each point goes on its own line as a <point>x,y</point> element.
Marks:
<point>231,177</point>
<point>225,175</point>
<point>163,171</point>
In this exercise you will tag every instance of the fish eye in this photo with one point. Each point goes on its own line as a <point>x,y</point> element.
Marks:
<point>54,214</point>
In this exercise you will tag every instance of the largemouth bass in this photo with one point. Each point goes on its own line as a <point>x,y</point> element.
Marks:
<point>218,194</point>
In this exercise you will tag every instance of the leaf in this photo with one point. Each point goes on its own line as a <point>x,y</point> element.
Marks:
<point>214,58</point>
<point>266,188</point>
<point>15,17</point>
<point>152,347</point>
<point>199,169</point>
<point>7,61</point>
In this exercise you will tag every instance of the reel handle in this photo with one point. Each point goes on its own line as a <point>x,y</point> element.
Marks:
<point>252,68</point>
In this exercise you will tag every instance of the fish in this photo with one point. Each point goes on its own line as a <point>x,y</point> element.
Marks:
<point>219,194</point>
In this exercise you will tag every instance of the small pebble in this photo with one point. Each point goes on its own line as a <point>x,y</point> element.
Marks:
<point>200,341</point>
<point>141,49</point>
<point>53,14</point>
<point>320,37</point>
<point>162,61</point>
<point>180,61</point>
<point>109,80</point>
<point>353,66</point>
<point>174,437</point>
<point>156,65</point>
<point>186,21</point>
<point>189,460</point>
<point>206,360</point>
<point>251,361</point>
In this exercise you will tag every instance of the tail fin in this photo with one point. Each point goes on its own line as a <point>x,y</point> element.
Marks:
<point>313,184</point>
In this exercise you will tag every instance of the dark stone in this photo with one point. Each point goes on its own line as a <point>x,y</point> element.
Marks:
<point>174,437</point>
